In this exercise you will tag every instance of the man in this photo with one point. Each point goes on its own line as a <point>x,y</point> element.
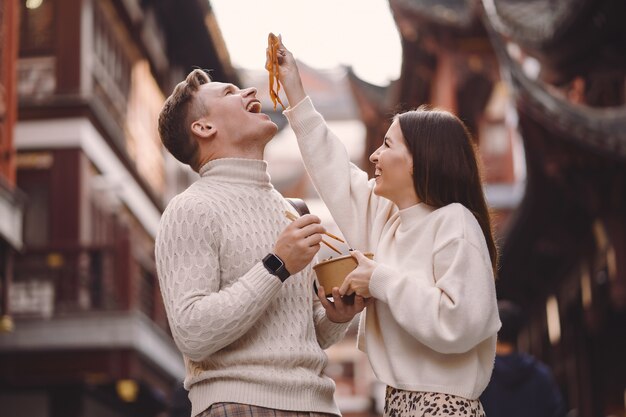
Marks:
<point>234,272</point>
<point>520,385</point>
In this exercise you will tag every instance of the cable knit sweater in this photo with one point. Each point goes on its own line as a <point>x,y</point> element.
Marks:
<point>245,336</point>
<point>433,325</point>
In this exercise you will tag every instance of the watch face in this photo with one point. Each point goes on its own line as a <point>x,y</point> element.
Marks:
<point>273,262</point>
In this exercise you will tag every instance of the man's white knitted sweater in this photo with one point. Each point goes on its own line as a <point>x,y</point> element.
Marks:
<point>245,336</point>
<point>433,325</point>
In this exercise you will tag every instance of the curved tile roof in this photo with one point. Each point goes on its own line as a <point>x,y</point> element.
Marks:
<point>536,22</point>
<point>448,12</point>
<point>603,129</point>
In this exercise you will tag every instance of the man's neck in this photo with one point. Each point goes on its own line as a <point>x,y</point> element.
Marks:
<point>250,153</point>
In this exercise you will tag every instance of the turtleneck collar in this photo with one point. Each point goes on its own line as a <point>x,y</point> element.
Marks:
<point>237,171</point>
<point>412,215</point>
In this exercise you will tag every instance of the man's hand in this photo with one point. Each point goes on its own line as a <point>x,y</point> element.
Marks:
<point>358,281</point>
<point>342,309</point>
<point>299,242</point>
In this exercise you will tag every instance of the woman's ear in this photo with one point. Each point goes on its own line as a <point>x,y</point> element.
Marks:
<point>202,129</point>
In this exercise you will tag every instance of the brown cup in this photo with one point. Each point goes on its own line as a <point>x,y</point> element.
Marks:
<point>332,272</point>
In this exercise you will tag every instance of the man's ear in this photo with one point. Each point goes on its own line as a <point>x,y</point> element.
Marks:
<point>203,129</point>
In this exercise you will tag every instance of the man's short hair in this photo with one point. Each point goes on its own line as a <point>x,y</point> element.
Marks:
<point>176,116</point>
<point>512,320</point>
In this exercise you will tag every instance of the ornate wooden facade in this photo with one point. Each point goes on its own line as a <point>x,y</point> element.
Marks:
<point>448,62</point>
<point>91,336</point>
<point>565,257</point>
<point>563,248</point>
<point>11,203</point>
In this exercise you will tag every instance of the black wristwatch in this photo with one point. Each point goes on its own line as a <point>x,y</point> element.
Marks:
<point>276,266</point>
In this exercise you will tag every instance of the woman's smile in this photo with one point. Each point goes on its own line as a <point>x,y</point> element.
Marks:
<point>393,160</point>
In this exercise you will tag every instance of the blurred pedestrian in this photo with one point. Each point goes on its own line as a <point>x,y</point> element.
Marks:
<point>521,386</point>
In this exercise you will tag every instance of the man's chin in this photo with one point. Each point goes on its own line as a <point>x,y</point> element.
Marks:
<point>270,132</point>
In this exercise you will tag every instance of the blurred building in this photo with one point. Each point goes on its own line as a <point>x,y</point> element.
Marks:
<point>564,258</point>
<point>448,63</point>
<point>90,334</point>
<point>541,85</point>
<point>11,203</point>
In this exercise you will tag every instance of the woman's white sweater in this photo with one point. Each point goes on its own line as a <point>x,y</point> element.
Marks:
<point>246,337</point>
<point>434,323</point>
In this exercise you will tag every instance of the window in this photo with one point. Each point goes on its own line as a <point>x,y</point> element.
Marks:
<point>37,27</point>
<point>36,224</point>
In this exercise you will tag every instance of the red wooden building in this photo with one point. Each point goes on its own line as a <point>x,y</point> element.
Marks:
<point>548,77</point>
<point>564,258</point>
<point>11,201</point>
<point>90,334</point>
<point>448,63</point>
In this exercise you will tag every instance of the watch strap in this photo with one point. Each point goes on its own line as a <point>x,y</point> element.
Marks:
<point>276,266</point>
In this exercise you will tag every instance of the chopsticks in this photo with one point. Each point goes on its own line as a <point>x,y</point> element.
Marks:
<point>292,217</point>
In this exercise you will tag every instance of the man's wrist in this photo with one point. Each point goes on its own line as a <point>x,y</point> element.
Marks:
<point>276,266</point>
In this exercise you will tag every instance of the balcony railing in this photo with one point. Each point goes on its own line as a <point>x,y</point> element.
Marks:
<point>51,281</point>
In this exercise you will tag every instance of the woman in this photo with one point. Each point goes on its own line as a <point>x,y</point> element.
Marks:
<point>430,332</point>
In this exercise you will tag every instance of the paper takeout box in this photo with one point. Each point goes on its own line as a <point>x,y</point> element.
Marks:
<point>332,272</point>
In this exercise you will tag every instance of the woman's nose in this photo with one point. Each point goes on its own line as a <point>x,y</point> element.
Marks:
<point>374,157</point>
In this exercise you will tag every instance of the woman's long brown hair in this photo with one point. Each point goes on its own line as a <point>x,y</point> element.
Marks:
<point>445,166</point>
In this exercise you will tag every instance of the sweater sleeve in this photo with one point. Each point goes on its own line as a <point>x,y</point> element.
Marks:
<point>204,317</point>
<point>456,312</point>
<point>343,186</point>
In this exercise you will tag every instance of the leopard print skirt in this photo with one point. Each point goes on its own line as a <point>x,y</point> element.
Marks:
<point>400,403</point>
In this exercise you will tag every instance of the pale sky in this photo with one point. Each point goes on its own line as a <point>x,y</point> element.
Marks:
<point>321,33</point>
